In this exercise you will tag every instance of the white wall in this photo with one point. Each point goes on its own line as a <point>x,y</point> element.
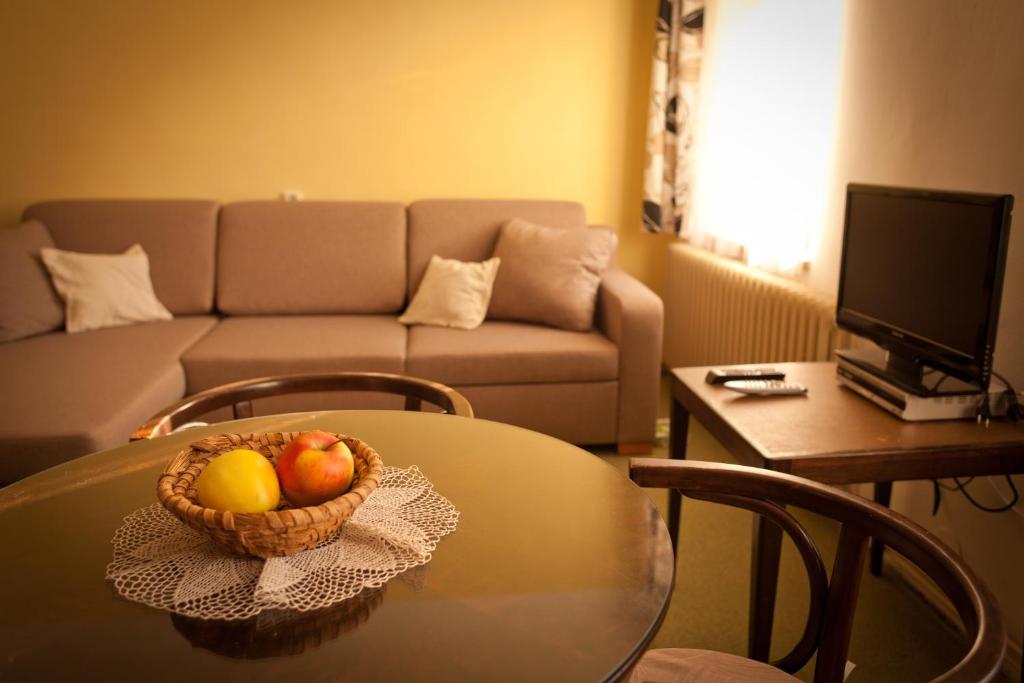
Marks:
<point>932,95</point>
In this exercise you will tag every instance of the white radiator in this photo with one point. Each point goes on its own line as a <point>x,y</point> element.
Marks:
<point>719,311</point>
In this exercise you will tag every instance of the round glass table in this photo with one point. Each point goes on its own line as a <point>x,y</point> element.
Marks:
<point>561,569</point>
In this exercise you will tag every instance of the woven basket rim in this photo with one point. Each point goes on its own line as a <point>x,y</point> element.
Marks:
<point>274,519</point>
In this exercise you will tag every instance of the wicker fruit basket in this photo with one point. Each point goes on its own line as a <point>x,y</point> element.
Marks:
<point>280,532</point>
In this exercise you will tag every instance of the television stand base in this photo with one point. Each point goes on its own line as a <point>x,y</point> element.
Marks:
<point>912,407</point>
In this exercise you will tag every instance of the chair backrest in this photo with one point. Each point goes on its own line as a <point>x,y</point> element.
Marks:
<point>833,601</point>
<point>240,395</point>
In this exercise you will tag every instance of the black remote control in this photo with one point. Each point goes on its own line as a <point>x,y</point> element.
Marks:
<point>723,375</point>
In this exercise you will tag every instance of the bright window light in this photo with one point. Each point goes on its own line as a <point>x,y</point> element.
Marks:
<point>766,133</point>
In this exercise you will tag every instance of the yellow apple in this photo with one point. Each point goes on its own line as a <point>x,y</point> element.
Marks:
<point>240,481</point>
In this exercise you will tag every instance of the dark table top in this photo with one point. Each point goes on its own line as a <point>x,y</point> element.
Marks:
<point>560,570</point>
<point>832,428</point>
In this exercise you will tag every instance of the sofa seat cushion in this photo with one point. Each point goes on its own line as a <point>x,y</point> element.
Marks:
<point>250,347</point>
<point>75,394</point>
<point>510,353</point>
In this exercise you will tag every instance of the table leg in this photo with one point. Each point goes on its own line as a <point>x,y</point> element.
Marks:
<point>764,576</point>
<point>679,425</point>
<point>883,494</point>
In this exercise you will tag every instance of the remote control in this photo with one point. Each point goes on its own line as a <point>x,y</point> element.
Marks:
<point>766,387</point>
<point>722,375</point>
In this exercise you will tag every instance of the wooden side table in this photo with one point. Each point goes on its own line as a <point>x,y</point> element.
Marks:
<point>833,436</point>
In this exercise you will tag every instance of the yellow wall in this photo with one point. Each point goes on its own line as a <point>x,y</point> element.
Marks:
<point>367,99</point>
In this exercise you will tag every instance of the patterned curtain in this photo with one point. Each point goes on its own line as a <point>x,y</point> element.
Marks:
<point>674,90</point>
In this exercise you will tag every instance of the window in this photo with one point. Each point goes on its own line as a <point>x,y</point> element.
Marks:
<point>766,128</point>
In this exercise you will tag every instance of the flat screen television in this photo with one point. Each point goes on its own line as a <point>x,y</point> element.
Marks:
<point>922,276</point>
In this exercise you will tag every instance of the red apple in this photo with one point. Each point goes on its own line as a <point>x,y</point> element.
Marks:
<point>315,467</point>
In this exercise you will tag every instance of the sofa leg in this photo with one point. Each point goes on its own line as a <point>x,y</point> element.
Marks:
<point>635,448</point>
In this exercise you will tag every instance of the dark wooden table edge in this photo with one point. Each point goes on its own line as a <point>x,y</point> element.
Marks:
<point>939,462</point>
<point>996,458</point>
<point>625,668</point>
<point>720,427</point>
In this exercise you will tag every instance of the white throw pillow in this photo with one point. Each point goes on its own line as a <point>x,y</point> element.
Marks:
<point>104,290</point>
<point>452,294</point>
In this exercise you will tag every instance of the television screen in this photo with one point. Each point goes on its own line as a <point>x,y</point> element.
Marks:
<point>922,274</point>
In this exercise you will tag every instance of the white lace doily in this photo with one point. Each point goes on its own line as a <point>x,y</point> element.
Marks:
<point>161,562</point>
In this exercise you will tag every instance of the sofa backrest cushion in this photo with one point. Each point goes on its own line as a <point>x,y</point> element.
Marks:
<point>179,236</point>
<point>311,258</point>
<point>467,229</point>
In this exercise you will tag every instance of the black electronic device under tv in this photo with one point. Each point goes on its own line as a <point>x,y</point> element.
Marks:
<point>922,276</point>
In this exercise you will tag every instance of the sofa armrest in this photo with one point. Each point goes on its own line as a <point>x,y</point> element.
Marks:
<point>632,317</point>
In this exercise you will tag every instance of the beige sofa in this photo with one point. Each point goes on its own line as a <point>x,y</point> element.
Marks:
<point>262,288</point>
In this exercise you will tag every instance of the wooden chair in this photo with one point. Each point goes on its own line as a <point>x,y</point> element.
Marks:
<point>833,600</point>
<point>240,395</point>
